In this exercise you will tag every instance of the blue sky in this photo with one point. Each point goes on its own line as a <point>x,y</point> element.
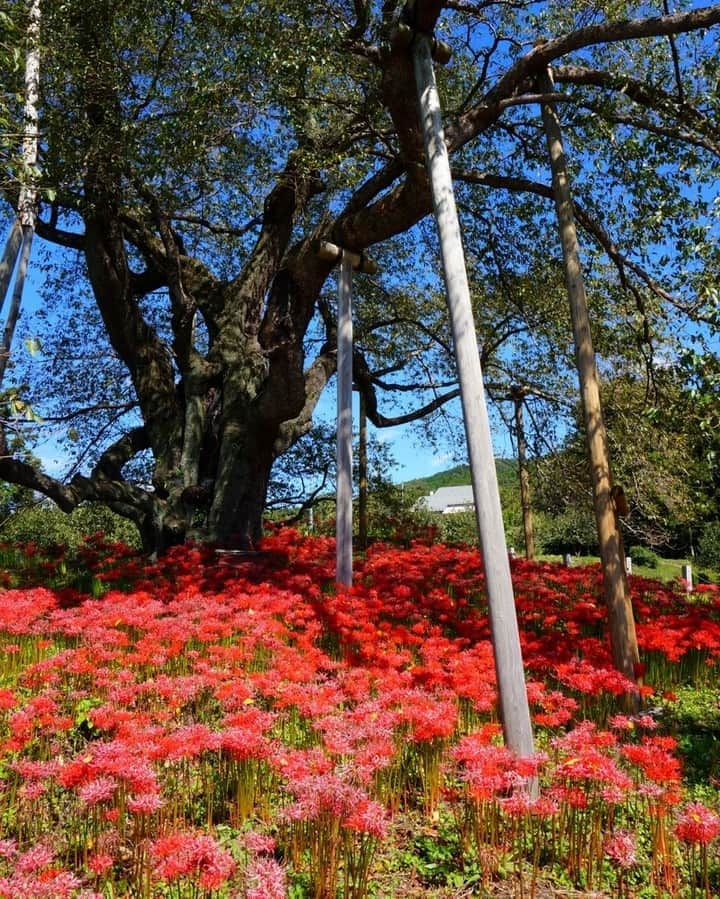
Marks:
<point>413,456</point>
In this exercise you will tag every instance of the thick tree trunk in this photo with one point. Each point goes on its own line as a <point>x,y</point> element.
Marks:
<point>240,491</point>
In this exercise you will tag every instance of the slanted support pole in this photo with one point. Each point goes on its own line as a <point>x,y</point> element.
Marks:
<point>9,258</point>
<point>363,477</point>
<point>623,640</point>
<point>344,510</point>
<point>23,229</point>
<point>343,514</point>
<point>514,707</point>
<point>518,397</point>
<point>15,302</point>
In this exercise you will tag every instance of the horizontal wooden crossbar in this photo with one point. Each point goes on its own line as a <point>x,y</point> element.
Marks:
<point>331,252</point>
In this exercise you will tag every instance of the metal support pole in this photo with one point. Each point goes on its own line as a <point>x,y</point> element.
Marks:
<point>687,577</point>
<point>21,234</point>
<point>343,515</point>
<point>514,707</point>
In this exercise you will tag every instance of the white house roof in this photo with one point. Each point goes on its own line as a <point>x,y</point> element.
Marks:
<point>444,497</point>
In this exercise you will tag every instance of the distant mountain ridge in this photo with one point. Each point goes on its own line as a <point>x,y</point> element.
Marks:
<point>460,474</point>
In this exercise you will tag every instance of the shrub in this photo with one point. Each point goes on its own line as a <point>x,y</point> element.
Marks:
<point>457,528</point>
<point>45,525</point>
<point>641,555</point>
<point>708,549</point>
<point>573,531</point>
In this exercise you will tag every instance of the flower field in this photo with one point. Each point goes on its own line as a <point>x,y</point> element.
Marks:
<point>240,728</point>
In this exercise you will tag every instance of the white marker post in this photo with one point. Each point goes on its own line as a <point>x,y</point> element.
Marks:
<point>514,708</point>
<point>687,576</point>
<point>343,503</point>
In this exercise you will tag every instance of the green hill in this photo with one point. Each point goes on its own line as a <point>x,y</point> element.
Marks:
<point>460,474</point>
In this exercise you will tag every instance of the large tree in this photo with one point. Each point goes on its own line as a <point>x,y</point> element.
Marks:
<point>197,151</point>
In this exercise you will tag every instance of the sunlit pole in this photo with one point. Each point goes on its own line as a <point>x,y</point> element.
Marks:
<point>623,639</point>
<point>343,514</point>
<point>514,708</point>
<point>343,504</point>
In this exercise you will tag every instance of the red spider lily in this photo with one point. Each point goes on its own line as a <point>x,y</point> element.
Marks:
<point>116,759</point>
<point>35,875</point>
<point>8,700</point>
<point>145,803</point>
<point>258,843</point>
<point>368,817</point>
<point>653,757</point>
<point>266,879</point>
<point>186,742</point>
<point>100,862</point>
<point>487,769</point>
<point>170,688</point>
<point>619,847</point>
<point>697,824</point>
<point>590,764</point>
<point>193,856</point>
<point>430,717</point>
<point>101,789</point>
<point>318,795</point>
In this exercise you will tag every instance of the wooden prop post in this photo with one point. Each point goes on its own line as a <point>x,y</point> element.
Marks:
<point>343,513</point>
<point>623,639</point>
<point>363,478</point>
<point>518,397</point>
<point>9,258</point>
<point>514,707</point>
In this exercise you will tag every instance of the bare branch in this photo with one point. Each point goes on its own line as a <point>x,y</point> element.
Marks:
<point>122,408</point>
<point>486,112</point>
<point>218,229</point>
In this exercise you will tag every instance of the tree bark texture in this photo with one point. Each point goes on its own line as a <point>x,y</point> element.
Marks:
<point>623,639</point>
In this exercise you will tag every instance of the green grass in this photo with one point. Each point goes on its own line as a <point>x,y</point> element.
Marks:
<point>665,570</point>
